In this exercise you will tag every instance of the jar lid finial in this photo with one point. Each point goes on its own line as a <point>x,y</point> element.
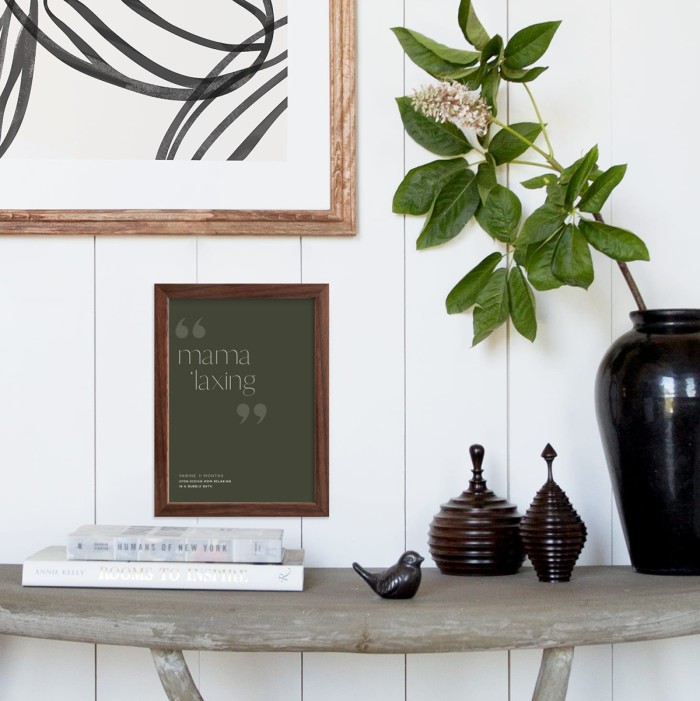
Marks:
<point>477,483</point>
<point>549,454</point>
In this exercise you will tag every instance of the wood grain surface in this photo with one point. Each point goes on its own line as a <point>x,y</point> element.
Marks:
<point>338,613</point>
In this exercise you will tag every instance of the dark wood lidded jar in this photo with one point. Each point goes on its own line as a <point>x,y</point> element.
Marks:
<point>477,533</point>
<point>552,531</point>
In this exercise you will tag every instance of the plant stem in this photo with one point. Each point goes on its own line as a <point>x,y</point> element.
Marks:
<point>539,119</point>
<point>627,275</point>
<point>533,163</point>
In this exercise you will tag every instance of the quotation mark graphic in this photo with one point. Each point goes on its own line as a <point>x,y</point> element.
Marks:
<point>243,410</point>
<point>198,331</point>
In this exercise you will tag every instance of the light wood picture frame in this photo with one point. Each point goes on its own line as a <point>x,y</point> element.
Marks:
<point>241,400</point>
<point>338,219</point>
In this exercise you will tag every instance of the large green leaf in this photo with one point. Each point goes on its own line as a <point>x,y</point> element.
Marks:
<point>542,224</point>
<point>486,177</point>
<point>579,178</point>
<point>521,75</point>
<point>442,139</point>
<point>520,254</point>
<point>529,44</point>
<point>618,244</point>
<point>500,214</point>
<point>521,302</point>
<point>490,83</point>
<point>570,170</point>
<point>492,49</point>
<point>539,265</point>
<point>472,28</point>
<point>539,181</point>
<point>572,262</point>
<point>471,77</point>
<point>556,193</point>
<point>454,207</point>
<point>598,193</point>
<point>418,190</point>
<point>492,306</point>
<point>506,146</point>
<point>437,59</point>
<point>465,293</point>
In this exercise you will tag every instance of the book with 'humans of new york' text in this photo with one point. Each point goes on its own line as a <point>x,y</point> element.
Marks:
<point>51,568</point>
<point>175,544</point>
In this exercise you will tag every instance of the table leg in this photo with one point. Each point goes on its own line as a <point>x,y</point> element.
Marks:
<point>175,675</point>
<point>553,679</point>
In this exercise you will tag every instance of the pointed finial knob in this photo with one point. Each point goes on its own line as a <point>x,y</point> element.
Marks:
<point>549,454</point>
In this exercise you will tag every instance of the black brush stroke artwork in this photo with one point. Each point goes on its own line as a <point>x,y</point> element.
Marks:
<point>196,93</point>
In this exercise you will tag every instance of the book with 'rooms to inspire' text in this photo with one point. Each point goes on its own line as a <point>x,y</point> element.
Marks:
<point>51,568</point>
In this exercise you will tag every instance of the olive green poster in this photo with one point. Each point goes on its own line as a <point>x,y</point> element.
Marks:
<point>241,400</point>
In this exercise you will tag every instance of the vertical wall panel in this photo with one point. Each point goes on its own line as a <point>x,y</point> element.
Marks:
<point>46,415</point>
<point>660,189</point>
<point>469,675</point>
<point>243,259</point>
<point>346,677</point>
<point>251,676</point>
<point>656,670</point>
<point>46,669</point>
<point>46,382</point>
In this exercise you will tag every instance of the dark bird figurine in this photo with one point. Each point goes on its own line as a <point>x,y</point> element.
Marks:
<point>400,581</point>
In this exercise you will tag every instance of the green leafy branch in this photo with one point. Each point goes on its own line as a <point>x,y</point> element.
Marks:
<point>551,247</point>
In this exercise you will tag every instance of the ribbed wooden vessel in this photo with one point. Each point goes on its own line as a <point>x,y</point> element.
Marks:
<point>552,532</point>
<point>476,533</point>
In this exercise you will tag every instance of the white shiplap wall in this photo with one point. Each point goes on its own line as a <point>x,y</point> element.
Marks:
<point>408,395</point>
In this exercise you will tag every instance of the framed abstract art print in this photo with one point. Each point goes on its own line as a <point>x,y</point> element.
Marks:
<point>177,117</point>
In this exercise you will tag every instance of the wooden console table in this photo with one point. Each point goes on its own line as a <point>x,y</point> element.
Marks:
<point>337,612</point>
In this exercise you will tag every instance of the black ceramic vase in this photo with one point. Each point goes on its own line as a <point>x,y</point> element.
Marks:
<point>648,408</point>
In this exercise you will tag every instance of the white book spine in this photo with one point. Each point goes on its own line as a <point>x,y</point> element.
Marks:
<point>173,544</point>
<point>51,568</point>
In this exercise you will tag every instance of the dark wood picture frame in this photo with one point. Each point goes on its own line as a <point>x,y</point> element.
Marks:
<point>318,504</point>
<point>338,219</point>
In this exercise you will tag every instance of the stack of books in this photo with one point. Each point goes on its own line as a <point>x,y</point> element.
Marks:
<point>154,557</point>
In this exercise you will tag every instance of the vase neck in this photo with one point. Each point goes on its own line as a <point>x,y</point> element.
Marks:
<point>666,320</point>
